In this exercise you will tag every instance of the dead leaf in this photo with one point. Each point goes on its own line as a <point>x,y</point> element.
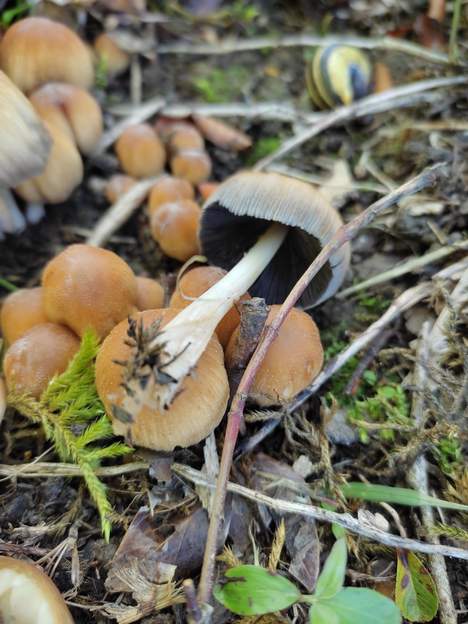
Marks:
<point>221,134</point>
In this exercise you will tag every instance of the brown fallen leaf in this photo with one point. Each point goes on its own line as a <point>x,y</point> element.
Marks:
<point>221,134</point>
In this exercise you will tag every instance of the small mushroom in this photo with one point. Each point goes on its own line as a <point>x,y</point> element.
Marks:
<point>183,136</point>
<point>292,362</point>
<point>193,414</point>
<point>118,185</point>
<point>192,165</point>
<point>140,151</point>
<point>28,596</point>
<point>36,50</point>
<point>87,287</point>
<point>115,60</point>
<point>337,75</point>
<point>21,310</point>
<point>150,294</point>
<point>43,351</point>
<point>174,226</point>
<point>194,283</point>
<point>73,110</point>
<point>169,189</point>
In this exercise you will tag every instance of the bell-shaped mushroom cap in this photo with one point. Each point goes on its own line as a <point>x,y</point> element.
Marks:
<point>87,287</point>
<point>150,294</point>
<point>25,142</point>
<point>194,413</point>
<point>42,352</point>
<point>140,151</point>
<point>36,50</point>
<point>73,110</point>
<point>192,165</point>
<point>20,311</point>
<point>174,226</point>
<point>28,596</point>
<point>169,189</point>
<point>292,362</point>
<point>243,207</point>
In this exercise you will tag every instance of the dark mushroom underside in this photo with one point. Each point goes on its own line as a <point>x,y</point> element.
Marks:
<point>225,237</point>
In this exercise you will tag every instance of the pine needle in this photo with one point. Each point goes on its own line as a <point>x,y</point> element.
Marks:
<point>74,419</point>
<point>277,547</point>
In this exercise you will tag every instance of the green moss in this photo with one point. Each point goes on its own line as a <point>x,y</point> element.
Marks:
<point>221,85</point>
<point>448,454</point>
<point>16,12</point>
<point>262,148</point>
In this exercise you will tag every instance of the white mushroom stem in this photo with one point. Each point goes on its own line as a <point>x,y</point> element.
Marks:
<point>187,335</point>
<point>35,212</point>
<point>12,219</point>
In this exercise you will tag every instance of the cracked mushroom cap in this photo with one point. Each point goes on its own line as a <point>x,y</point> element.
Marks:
<point>88,287</point>
<point>243,207</point>
<point>73,110</point>
<point>21,310</point>
<point>36,50</point>
<point>28,596</point>
<point>25,143</point>
<point>194,413</point>
<point>292,362</point>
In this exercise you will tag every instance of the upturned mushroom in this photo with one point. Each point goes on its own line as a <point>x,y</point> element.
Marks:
<point>265,229</point>
<point>292,362</point>
<point>20,311</point>
<point>194,413</point>
<point>36,50</point>
<point>87,287</point>
<point>28,596</point>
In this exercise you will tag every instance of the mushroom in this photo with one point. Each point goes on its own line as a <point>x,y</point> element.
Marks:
<point>150,294</point>
<point>114,59</point>
<point>338,74</point>
<point>118,185</point>
<point>194,413</point>
<point>87,287</point>
<point>140,151</point>
<point>194,283</point>
<point>21,310</point>
<point>169,189</point>
<point>36,50</point>
<point>24,150</point>
<point>292,362</point>
<point>183,136</point>
<point>42,352</point>
<point>268,228</point>
<point>73,110</point>
<point>174,226</point>
<point>186,148</point>
<point>28,596</point>
<point>192,165</point>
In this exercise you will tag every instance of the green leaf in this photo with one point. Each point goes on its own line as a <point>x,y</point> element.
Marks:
<point>398,495</point>
<point>253,590</point>
<point>354,605</point>
<point>331,578</point>
<point>415,591</point>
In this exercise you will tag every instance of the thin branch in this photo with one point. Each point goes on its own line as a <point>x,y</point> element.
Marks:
<point>345,520</point>
<point>57,469</point>
<point>235,46</point>
<point>344,234</point>
<point>405,95</point>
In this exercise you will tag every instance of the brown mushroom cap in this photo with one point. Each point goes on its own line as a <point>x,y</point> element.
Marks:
<point>292,362</point>
<point>73,110</point>
<point>194,283</point>
<point>28,596</point>
<point>150,294</point>
<point>36,50</point>
<point>62,174</point>
<point>174,226</point>
<point>25,143</point>
<point>169,189</point>
<point>140,151</point>
<point>191,165</point>
<point>246,204</point>
<point>21,310</point>
<point>115,60</point>
<point>87,287</point>
<point>42,352</point>
<point>183,136</point>
<point>193,414</point>
<point>118,185</point>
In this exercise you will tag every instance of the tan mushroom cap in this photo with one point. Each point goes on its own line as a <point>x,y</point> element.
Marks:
<point>73,110</point>
<point>87,287</point>
<point>292,362</point>
<point>118,185</point>
<point>150,294</point>
<point>115,60</point>
<point>28,596</point>
<point>140,151</point>
<point>192,165</point>
<point>36,50</point>
<point>193,284</point>
<point>63,172</point>
<point>184,136</point>
<point>174,226</point>
<point>20,311</point>
<point>169,189</point>
<point>42,352</point>
<point>193,414</point>
<point>25,143</point>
